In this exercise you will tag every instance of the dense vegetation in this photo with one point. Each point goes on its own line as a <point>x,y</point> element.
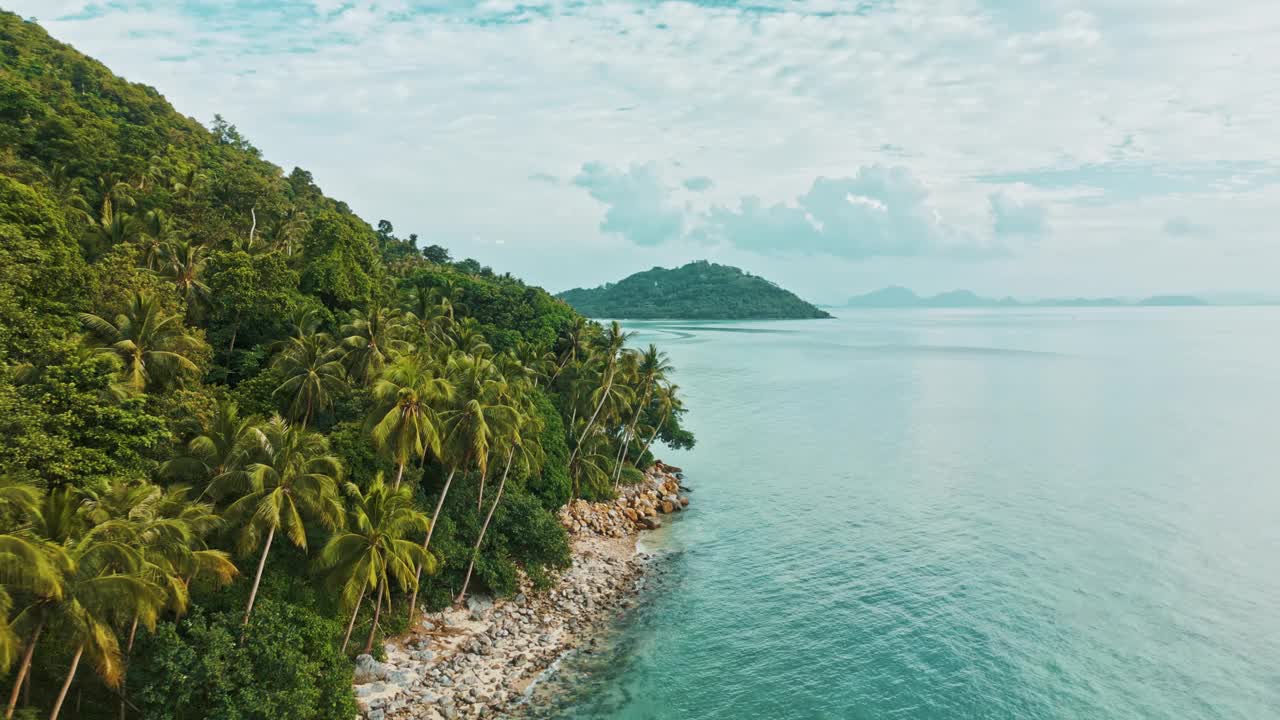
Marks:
<point>697,291</point>
<point>245,433</point>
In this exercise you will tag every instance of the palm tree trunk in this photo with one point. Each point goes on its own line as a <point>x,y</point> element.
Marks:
<point>351,625</point>
<point>485,528</point>
<point>413,602</point>
<point>23,669</point>
<point>377,615</point>
<point>656,428</point>
<point>399,474</point>
<point>629,434</point>
<point>66,684</point>
<point>133,633</point>
<point>257,578</point>
<point>603,397</point>
<point>480,503</point>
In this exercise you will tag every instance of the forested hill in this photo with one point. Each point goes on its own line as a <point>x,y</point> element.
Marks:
<point>698,291</point>
<point>247,435</point>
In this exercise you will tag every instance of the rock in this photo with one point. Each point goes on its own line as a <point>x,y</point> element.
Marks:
<point>684,501</point>
<point>480,606</point>
<point>368,670</point>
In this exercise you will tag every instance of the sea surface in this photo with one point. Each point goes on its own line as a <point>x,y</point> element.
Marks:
<point>1049,513</point>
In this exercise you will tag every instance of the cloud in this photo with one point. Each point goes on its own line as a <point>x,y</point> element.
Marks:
<point>542,177</point>
<point>878,212</point>
<point>639,206</point>
<point>1014,217</point>
<point>700,183</point>
<point>1184,228</point>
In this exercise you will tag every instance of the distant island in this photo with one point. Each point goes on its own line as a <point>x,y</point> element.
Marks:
<point>900,297</point>
<point>700,290</point>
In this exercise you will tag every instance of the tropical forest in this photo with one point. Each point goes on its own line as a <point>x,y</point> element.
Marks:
<point>247,435</point>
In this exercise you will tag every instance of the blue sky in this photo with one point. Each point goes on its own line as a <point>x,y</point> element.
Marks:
<point>1032,148</point>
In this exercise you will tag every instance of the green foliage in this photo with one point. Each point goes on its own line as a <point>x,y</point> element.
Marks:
<point>288,668</point>
<point>697,291</point>
<point>508,310</point>
<point>552,485</point>
<point>39,265</point>
<point>342,263</point>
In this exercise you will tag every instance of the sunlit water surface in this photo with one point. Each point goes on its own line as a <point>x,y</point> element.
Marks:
<point>965,514</point>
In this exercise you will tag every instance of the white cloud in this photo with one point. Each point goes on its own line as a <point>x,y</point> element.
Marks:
<point>437,120</point>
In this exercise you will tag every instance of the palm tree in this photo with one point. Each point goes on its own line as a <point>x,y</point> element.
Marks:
<point>575,339</point>
<point>313,373</point>
<point>155,232</point>
<point>610,345</point>
<point>222,446</point>
<point>467,337</point>
<point>105,586</point>
<point>666,402</point>
<point>372,338</point>
<point>525,420</point>
<point>432,310</point>
<point>652,369</point>
<point>25,564</point>
<point>49,526</point>
<point>111,194</point>
<point>469,426</point>
<point>153,345</point>
<point>287,232</point>
<point>184,264</point>
<point>405,422</point>
<point>373,550</point>
<point>105,233</point>
<point>293,482</point>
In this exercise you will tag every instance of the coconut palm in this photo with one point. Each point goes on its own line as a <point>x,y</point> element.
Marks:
<point>469,424</point>
<point>292,483</point>
<point>666,402</point>
<point>432,311</point>
<point>155,231</point>
<point>525,423</point>
<point>26,565</point>
<point>105,233</point>
<point>105,586</point>
<point>575,342</point>
<point>50,526</point>
<point>373,550</point>
<point>152,344</point>
<point>405,422</point>
<point>609,345</point>
<point>221,446</point>
<point>184,262</point>
<point>371,339</point>
<point>313,373</point>
<point>652,369</point>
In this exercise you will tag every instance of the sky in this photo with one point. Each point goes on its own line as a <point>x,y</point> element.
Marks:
<point>1059,147</point>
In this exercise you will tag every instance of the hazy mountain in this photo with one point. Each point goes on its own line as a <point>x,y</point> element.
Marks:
<point>900,297</point>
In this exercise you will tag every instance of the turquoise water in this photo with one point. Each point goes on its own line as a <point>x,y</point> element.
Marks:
<point>966,514</point>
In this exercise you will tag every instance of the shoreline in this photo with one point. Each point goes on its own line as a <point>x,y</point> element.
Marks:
<point>484,660</point>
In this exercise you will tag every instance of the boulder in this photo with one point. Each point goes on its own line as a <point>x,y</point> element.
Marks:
<point>480,606</point>
<point>369,670</point>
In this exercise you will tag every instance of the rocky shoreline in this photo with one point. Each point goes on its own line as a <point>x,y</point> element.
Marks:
<point>481,660</point>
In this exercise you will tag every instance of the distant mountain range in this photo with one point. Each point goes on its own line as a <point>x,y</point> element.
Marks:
<point>900,297</point>
<point>698,291</point>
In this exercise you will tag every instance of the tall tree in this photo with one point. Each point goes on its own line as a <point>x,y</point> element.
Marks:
<point>652,369</point>
<point>373,550</point>
<point>609,345</point>
<point>371,339</point>
<point>293,482</point>
<point>313,373</point>
<point>409,398</point>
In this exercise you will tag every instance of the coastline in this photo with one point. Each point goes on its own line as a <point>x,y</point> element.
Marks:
<point>482,660</point>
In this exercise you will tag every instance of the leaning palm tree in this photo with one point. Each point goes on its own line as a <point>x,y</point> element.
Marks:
<point>105,586</point>
<point>373,550</point>
<point>652,369</point>
<point>405,422</point>
<point>610,345</point>
<point>292,483</point>
<point>666,402</point>
<point>153,344</point>
<point>221,445</point>
<point>50,526</point>
<point>371,339</point>
<point>313,373</point>
<point>479,391</point>
<point>525,423</point>
<point>27,564</point>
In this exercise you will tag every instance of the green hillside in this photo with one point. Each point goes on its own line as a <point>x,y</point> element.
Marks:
<point>698,291</point>
<point>231,408</point>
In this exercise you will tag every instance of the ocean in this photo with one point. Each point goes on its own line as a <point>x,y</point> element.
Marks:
<point>1048,513</point>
